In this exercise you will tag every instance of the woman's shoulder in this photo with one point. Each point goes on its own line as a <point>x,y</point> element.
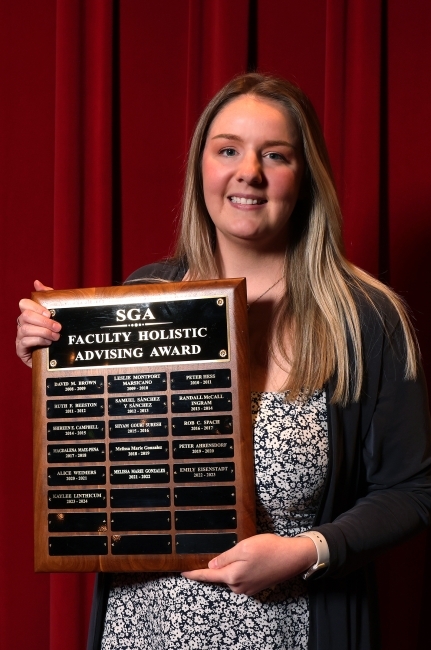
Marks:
<point>378,306</point>
<point>167,270</point>
<point>385,325</point>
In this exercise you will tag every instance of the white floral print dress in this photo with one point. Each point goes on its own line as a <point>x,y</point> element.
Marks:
<point>159,611</point>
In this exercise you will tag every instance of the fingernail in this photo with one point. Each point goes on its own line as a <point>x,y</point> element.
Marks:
<point>47,314</point>
<point>56,327</point>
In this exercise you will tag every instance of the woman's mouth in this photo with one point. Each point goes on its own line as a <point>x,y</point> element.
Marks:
<point>246,201</point>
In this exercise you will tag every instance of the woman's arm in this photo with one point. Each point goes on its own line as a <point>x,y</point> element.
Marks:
<point>35,327</point>
<point>386,442</point>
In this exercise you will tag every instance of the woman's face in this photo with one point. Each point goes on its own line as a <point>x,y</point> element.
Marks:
<point>252,168</point>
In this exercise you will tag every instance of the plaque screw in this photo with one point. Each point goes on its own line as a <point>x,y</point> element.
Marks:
<point>220,302</point>
<point>53,363</point>
<point>223,353</point>
<point>52,312</point>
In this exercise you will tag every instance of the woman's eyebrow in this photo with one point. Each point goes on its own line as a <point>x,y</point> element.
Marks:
<point>267,143</point>
<point>227,136</point>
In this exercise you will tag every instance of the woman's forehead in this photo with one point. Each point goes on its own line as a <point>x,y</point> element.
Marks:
<point>249,109</point>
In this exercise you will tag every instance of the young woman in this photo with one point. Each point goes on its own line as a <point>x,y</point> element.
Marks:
<point>341,425</point>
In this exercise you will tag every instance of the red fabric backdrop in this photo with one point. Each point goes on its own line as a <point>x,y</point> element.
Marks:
<point>98,101</point>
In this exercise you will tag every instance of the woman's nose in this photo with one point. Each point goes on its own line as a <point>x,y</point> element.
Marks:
<point>250,169</point>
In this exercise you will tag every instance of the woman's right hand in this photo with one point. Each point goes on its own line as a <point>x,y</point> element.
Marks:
<point>35,327</point>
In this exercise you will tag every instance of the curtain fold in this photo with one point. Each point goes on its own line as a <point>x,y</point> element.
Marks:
<point>353,118</point>
<point>83,144</point>
<point>99,100</point>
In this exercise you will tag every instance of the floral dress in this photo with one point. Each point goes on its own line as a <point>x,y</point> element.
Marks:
<point>163,611</point>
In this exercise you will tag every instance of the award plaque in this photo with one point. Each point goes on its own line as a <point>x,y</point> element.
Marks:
<point>143,449</point>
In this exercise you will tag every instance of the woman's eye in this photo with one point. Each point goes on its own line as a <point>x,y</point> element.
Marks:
<point>273,155</point>
<point>229,151</point>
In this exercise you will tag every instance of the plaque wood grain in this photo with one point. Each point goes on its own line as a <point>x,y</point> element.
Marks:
<point>82,538</point>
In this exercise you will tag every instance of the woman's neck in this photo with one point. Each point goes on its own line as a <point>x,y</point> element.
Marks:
<point>260,268</point>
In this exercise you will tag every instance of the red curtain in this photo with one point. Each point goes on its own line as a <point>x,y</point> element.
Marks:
<point>98,102</point>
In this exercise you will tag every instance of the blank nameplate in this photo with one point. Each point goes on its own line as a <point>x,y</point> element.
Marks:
<point>77,522</point>
<point>205,496</point>
<point>204,519</point>
<point>153,520</point>
<point>140,498</point>
<point>205,543</point>
<point>141,544</point>
<point>84,545</point>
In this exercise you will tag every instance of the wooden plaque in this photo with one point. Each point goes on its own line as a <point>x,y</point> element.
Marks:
<point>143,449</point>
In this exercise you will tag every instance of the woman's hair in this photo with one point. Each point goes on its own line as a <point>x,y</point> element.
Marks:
<point>319,306</point>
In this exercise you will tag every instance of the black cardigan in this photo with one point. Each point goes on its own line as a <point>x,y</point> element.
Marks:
<point>378,486</point>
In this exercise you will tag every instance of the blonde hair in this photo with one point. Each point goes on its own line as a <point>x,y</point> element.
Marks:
<point>319,306</point>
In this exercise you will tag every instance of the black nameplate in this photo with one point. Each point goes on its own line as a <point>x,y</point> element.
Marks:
<point>221,448</point>
<point>201,543</point>
<point>94,430</point>
<point>78,408</point>
<point>193,379</point>
<point>141,498</point>
<point>77,475</point>
<point>210,473</point>
<point>204,519</point>
<point>143,428</point>
<point>156,520</point>
<point>138,405</point>
<point>141,333</point>
<point>88,453</point>
<point>77,522</point>
<point>138,383</point>
<point>201,402</point>
<point>82,545</point>
<point>139,474</point>
<point>205,496</point>
<point>138,450</point>
<point>205,425</point>
<point>141,544</point>
<point>74,386</point>
<point>68,499</point>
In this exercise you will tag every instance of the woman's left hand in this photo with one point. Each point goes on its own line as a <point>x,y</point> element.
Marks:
<point>258,562</point>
